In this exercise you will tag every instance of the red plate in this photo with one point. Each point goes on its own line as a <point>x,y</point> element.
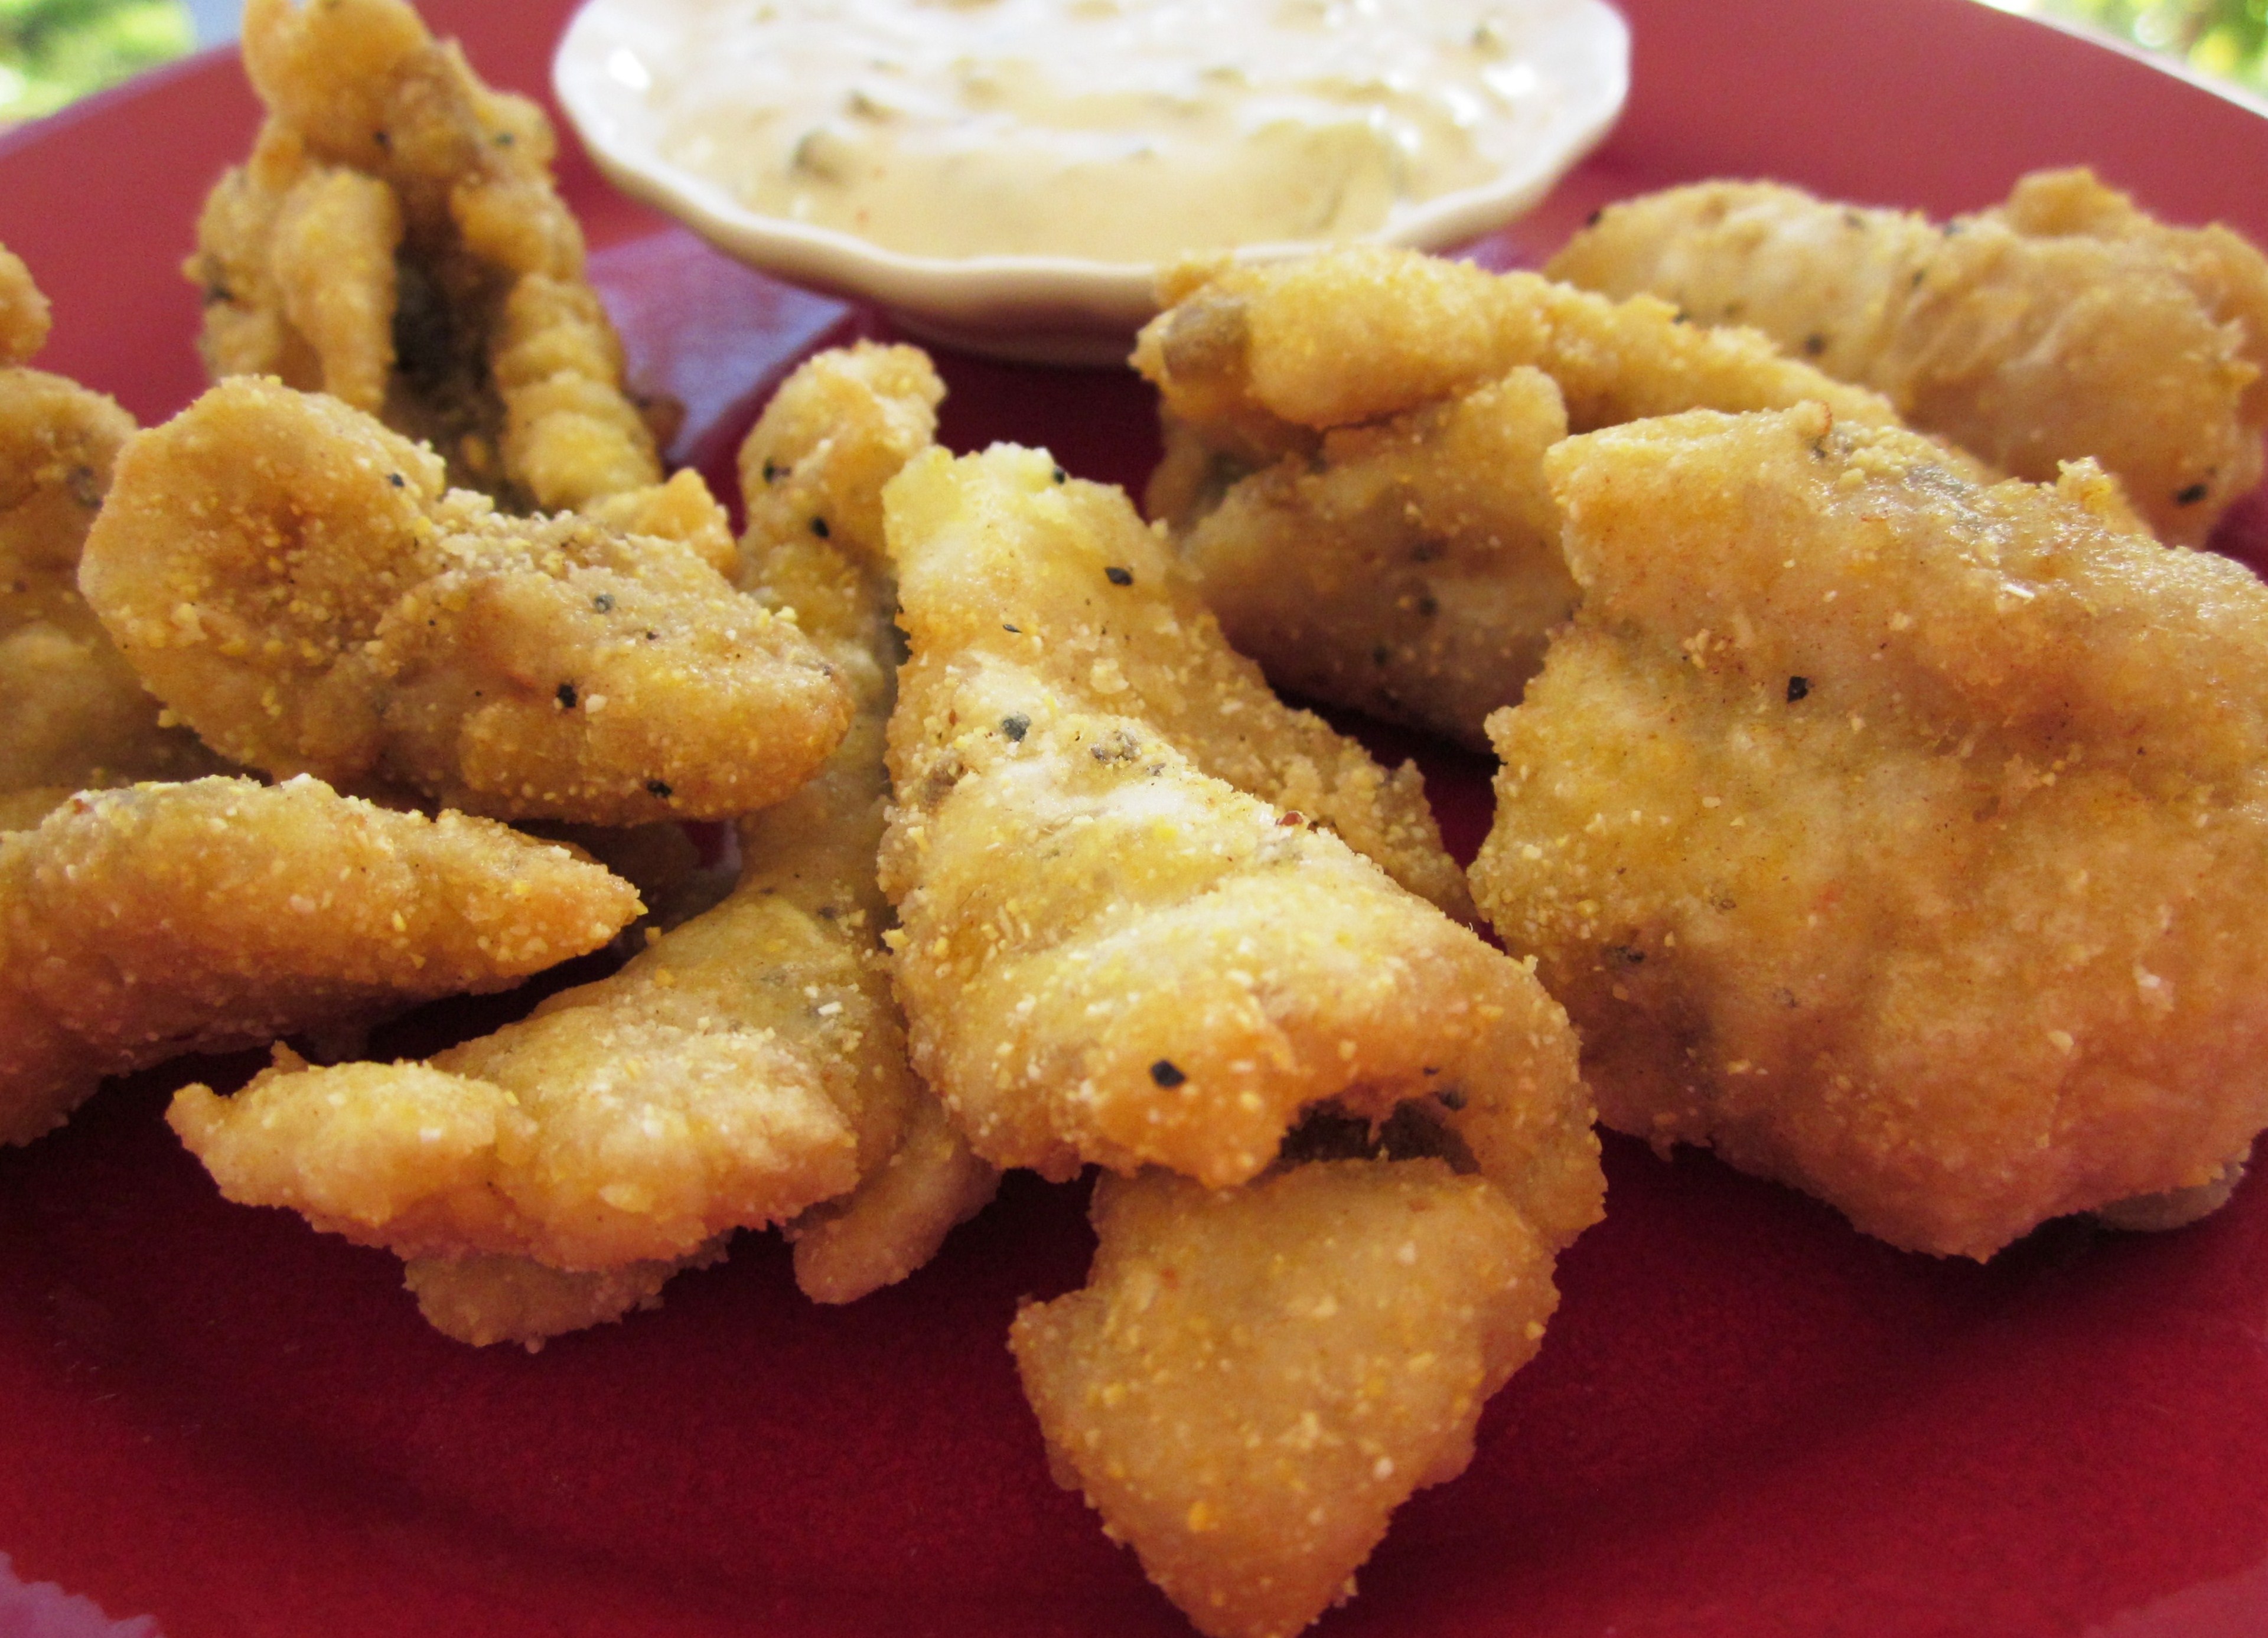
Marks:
<point>1747,1421</point>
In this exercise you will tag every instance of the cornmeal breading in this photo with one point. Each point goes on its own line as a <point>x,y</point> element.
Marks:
<point>1898,836</point>
<point>1016,563</point>
<point>1353,469</point>
<point>395,240</point>
<point>748,1067</point>
<point>72,714</point>
<point>1109,955</point>
<point>2062,324</point>
<point>1251,1381</point>
<point>139,924</point>
<point>293,580</point>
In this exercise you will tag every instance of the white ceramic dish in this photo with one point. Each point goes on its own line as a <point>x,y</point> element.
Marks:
<point>1049,309</point>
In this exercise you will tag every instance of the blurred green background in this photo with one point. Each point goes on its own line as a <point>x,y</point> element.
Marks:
<point>52,51</point>
<point>2226,39</point>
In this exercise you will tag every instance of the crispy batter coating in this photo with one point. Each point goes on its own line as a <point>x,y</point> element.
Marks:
<point>1896,836</point>
<point>1353,460</point>
<point>729,1076</point>
<point>292,579</point>
<point>1107,954</point>
<point>486,1300</point>
<point>395,239</point>
<point>812,474</point>
<point>746,1068</point>
<point>1258,359</point>
<point>1012,563</point>
<point>24,316</point>
<point>76,716</point>
<point>141,923</point>
<point>2062,324</point>
<point>1251,1381</point>
<point>1411,569</point>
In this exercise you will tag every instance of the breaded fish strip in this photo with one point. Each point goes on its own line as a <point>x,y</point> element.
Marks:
<point>142,923</point>
<point>1410,570</point>
<point>72,714</point>
<point>1108,955</point>
<point>1353,460</point>
<point>748,1067</point>
<point>1258,359</point>
<point>2062,324</point>
<point>1899,837</point>
<point>292,578</point>
<point>1251,1381</point>
<point>1072,587</point>
<point>395,240</point>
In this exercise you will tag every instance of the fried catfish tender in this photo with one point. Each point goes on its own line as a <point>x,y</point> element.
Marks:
<point>294,581</point>
<point>395,240</point>
<point>1354,472</point>
<point>141,923</point>
<point>1109,954</point>
<point>72,714</point>
<point>1896,836</point>
<point>2062,324</point>
<point>1072,588</point>
<point>1252,1380</point>
<point>746,1068</point>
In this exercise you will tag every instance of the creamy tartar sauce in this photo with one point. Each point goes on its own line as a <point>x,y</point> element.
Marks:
<point>1112,130</point>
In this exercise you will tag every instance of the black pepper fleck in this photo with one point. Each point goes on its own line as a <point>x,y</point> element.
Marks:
<point>1797,688</point>
<point>1061,476</point>
<point>772,471</point>
<point>1119,577</point>
<point>2192,494</point>
<point>1167,1073</point>
<point>1815,344</point>
<point>604,602</point>
<point>819,527</point>
<point>566,696</point>
<point>1014,631</point>
<point>1016,727</point>
<point>397,480</point>
<point>658,788</point>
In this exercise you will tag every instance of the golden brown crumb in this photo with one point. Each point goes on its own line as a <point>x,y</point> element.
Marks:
<point>1251,1381</point>
<point>76,716</point>
<point>1353,460</point>
<point>395,239</point>
<point>139,924</point>
<point>2060,325</point>
<point>292,578</point>
<point>1109,955</point>
<point>1895,835</point>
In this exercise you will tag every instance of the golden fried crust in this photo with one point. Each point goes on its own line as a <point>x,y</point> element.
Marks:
<point>485,1300</point>
<point>77,717</point>
<point>2062,324</point>
<point>24,316</point>
<point>1412,571</point>
<point>141,923</point>
<point>814,464</point>
<point>290,577</point>
<point>716,1082</point>
<point>748,1068</point>
<point>1352,468</point>
<point>393,198</point>
<point>1001,559</point>
<point>1251,1382</point>
<point>1259,358</point>
<point>1107,955</point>
<point>1898,836</point>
